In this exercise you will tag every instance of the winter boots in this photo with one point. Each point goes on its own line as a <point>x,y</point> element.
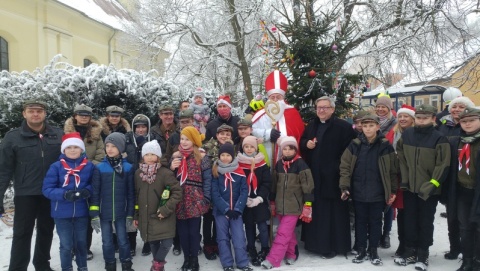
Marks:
<point>400,250</point>
<point>361,256</point>
<point>253,255</point>
<point>158,266</point>
<point>467,265</point>
<point>422,260</point>
<point>111,266</point>
<point>127,266</point>
<point>194,266</point>
<point>186,264</point>
<point>209,251</point>
<point>385,240</point>
<point>452,255</point>
<point>409,257</point>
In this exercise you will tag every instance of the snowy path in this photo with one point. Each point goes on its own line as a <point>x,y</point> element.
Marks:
<point>307,261</point>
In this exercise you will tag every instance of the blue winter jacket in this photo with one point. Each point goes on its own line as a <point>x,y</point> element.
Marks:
<point>232,197</point>
<point>53,188</point>
<point>113,195</point>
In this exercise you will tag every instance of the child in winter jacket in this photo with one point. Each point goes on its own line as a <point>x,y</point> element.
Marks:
<point>112,201</point>
<point>67,185</point>
<point>157,194</point>
<point>194,172</point>
<point>424,158</point>
<point>201,111</point>
<point>259,183</point>
<point>229,195</point>
<point>368,171</point>
<point>292,197</point>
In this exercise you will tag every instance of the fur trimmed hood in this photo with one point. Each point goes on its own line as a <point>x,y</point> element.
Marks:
<point>106,128</point>
<point>95,128</point>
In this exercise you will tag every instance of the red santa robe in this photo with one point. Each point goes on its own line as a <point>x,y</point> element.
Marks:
<point>289,124</point>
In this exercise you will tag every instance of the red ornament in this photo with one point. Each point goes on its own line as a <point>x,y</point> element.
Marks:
<point>274,29</point>
<point>350,99</point>
<point>312,73</point>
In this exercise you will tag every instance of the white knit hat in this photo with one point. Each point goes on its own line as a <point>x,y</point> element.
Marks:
<point>152,147</point>
<point>461,100</point>
<point>72,139</point>
<point>287,141</point>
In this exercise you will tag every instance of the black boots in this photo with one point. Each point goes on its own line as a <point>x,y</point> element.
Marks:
<point>422,260</point>
<point>127,266</point>
<point>408,257</point>
<point>385,240</point>
<point>374,258</point>
<point>361,256</point>
<point>467,265</point>
<point>186,264</point>
<point>111,266</point>
<point>194,266</point>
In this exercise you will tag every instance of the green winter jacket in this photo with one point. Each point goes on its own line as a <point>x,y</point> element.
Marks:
<point>387,163</point>
<point>424,158</point>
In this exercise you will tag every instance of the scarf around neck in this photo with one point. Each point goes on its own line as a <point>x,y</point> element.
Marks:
<point>149,172</point>
<point>116,163</point>
<point>465,151</point>
<point>182,173</point>
<point>287,162</point>
<point>227,169</point>
<point>251,163</point>
<point>73,171</point>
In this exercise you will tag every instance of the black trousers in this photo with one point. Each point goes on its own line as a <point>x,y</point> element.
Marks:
<point>368,223</point>
<point>189,233</point>
<point>419,218</point>
<point>469,232</point>
<point>401,226</point>
<point>209,230</point>
<point>28,210</point>
<point>453,231</point>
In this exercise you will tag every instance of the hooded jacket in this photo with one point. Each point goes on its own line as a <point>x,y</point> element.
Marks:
<point>134,143</point>
<point>94,146</point>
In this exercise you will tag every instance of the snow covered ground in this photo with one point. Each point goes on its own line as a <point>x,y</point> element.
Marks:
<point>307,261</point>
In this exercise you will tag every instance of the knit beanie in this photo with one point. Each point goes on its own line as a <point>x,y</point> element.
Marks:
<point>385,101</point>
<point>228,148</point>
<point>72,139</point>
<point>461,100</point>
<point>198,93</point>
<point>117,139</point>
<point>193,135</point>
<point>287,141</point>
<point>152,147</point>
<point>250,140</point>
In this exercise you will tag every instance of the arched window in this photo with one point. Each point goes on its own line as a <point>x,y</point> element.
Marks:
<point>86,62</point>
<point>3,54</point>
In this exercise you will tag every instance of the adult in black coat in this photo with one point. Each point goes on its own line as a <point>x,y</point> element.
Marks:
<point>224,116</point>
<point>322,145</point>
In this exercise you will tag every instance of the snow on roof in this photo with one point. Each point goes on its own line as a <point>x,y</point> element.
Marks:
<point>108,12</point>
<point>401,91</point>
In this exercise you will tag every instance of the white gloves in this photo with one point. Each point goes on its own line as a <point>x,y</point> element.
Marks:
<point>254,202</point>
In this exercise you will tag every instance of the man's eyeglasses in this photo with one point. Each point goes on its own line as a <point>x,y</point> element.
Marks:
<point>323,108</point>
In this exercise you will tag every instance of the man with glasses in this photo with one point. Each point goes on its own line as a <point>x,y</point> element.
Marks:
<point>165,127</point>
<point>288,120</point>
<point>26,153</point>
<point>322,145</point>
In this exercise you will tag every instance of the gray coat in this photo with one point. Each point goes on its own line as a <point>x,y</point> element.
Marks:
<point>25,158</point>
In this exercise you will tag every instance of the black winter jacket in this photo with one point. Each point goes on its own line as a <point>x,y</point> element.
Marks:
<point>217,122</point>
<point>26,158</point>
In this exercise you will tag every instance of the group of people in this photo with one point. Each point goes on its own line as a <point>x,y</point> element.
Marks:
<point>235,177</point>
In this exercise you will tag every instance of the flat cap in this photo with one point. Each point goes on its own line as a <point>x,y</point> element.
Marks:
<point>35,104</point>
<point>115,110</point>
<point>186,114</point>
<point>425,109</point>
<point>370,118</point>
<point>165,108</point>
<point>82,110</point>
<point>244,122</point>
<point>360,114</point>
<point>470,112</point>
<point>224,127</point>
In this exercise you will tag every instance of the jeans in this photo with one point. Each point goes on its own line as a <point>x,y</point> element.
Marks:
<point>230,232</point>
<point>28,210</point>
<point>368,223</point>
<point>107,240</point>
<point>160,248</point>
<point>251,234</point>
<point>72,233</point>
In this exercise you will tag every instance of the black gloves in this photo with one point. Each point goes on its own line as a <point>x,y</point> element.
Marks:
<point>72,195</point>
<point>231,214</point>
<point>274,135</point>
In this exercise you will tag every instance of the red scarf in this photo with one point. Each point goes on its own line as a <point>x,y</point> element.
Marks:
<point>183,169</point>
<point>287,164</point>
<point>464,152</point>
<point>252,177</point>
<point>73,172</point>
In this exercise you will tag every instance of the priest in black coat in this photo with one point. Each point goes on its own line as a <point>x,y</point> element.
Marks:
<point>322,145</point>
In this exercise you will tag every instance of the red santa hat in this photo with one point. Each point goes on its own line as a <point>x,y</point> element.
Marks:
<point>276,82</point>
<point>224,99</point>
<point>407,109</point>
<point>72,139</point>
